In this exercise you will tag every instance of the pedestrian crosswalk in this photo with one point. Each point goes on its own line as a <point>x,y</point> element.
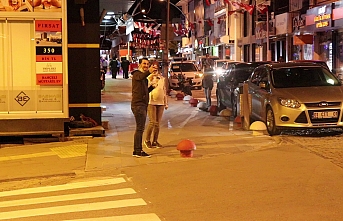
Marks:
<point>78,201</point>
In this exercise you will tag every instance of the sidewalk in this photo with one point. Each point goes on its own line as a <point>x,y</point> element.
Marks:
<point>213,135</point>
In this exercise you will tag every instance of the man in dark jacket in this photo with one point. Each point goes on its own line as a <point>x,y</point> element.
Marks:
<point>207,84</point>
<point>139,102</point>
<point>114,67</point>
<point>125,66</point>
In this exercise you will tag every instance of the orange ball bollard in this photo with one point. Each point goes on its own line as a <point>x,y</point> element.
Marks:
<point>193,102</point>
<point>179,96</point>
<point>186,148</point>
<point>213,110</point>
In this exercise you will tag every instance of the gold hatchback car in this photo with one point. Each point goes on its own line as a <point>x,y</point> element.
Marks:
<point>295,96</point>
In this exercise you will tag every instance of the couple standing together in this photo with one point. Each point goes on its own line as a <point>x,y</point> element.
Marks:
<point>149,97</point>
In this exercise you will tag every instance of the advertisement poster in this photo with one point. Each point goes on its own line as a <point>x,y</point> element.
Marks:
<point>48,37</point>
<point>30,6</point>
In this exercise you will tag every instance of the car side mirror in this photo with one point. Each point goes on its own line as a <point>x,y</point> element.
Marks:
<point>263,85</point>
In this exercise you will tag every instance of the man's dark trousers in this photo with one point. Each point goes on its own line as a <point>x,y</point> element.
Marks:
<point>140,113</point>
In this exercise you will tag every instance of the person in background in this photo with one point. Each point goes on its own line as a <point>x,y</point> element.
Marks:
<point>207,84</point>
<point>139,102</point>
<point>207,81</point>
<point>104,65</point>
<point>158,102</point>
<point>281,59</point>
<point>125,66</point>
<point>119,66</point>
<point>114,67</point>
<point>208,65</point>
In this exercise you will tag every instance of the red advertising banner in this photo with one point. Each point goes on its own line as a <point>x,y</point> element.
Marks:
<point>49,79</point>
<point>49,58</point>
<point>48,25</point>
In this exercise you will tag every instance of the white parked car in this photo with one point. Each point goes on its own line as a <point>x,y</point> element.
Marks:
<point>184,70</point>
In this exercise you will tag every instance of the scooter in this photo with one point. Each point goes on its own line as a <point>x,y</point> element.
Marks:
<point>185,85</point>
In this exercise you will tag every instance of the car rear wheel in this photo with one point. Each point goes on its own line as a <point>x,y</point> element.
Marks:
<point>270,122</point>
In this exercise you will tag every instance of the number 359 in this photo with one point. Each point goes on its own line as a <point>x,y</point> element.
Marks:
<point>49,50</point>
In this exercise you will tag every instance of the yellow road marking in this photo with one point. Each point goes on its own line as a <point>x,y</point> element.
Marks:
<point>26,156</point>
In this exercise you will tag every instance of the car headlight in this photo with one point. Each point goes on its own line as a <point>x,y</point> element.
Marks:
<point>198,75</point>
<point>219,71</point>
<point>292,103</point>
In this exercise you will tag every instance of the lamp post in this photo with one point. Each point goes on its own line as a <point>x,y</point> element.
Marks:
<point>166,43</point>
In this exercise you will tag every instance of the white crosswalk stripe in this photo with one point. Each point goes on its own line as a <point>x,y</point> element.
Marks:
<point>61,200</point>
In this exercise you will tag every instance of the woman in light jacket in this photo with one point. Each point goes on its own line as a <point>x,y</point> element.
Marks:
<point>158,102</point>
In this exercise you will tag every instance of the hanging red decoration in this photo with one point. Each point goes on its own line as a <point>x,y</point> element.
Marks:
<point>231,12</point>
<point>227,1</point>
<point>209,22</point>
<point>199,22</point>
<point>218,22</point>
<point>208,3</point>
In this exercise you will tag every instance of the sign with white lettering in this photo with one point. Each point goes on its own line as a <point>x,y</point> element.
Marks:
<point>49,79</point>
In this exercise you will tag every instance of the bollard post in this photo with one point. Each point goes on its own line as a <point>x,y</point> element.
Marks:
<point>246,108</point>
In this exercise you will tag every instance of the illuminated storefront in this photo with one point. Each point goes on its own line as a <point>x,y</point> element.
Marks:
<point>33,67</point>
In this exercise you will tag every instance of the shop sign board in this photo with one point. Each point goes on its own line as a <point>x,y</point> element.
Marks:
<point>283,24</point>
<point>49,79</point>
<point>299,22</point>
<point>49,67</point>
<point>320,16</point>
<point>295,5</point>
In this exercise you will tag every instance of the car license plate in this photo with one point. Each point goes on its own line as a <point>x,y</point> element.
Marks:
<point>325,114</point>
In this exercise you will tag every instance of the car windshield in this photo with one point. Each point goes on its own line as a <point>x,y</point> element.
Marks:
<point>243,71</point>
<point>303,77</point>
<point>186,67</point>
<point>220,63</point>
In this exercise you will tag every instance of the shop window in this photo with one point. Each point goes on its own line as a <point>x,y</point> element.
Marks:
<point>19,90</point>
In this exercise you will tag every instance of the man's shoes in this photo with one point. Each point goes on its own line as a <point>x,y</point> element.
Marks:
<point>147,144</point>
<point>140,154</point>
<point>156,145</point>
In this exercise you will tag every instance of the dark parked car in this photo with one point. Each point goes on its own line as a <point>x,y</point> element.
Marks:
<point>321,63</point>
<point>228,83</point>
<point>295,96</point>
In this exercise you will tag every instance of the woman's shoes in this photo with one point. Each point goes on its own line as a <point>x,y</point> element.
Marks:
<point>156,145</point>
<point>150,145</point>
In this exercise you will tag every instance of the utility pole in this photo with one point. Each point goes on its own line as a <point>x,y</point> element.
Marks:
<point>166,44</point>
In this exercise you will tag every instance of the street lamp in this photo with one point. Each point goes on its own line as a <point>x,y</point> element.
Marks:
<point>165,58</point>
